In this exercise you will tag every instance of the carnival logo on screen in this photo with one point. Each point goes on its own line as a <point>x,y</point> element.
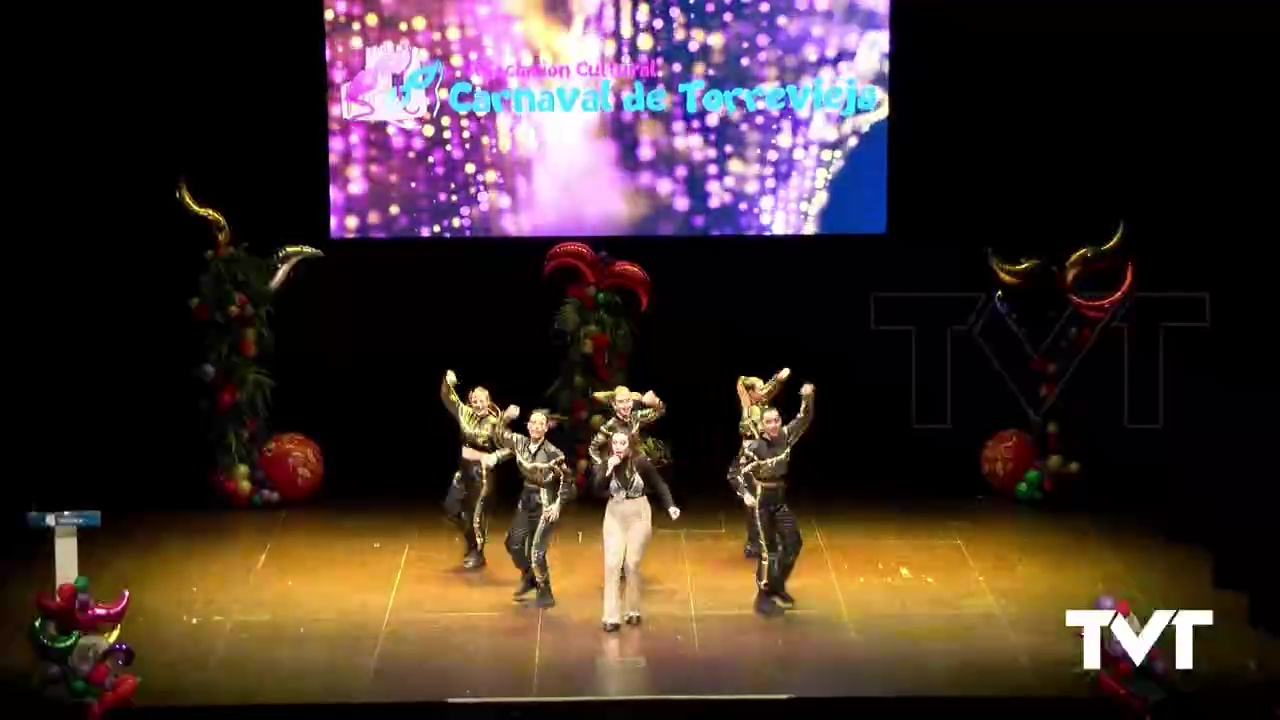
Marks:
<point>401,83</point>
<point>398,85</point>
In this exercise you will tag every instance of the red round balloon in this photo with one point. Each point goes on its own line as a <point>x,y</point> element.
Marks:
<point>293,464</point>
<point>1006,458</point>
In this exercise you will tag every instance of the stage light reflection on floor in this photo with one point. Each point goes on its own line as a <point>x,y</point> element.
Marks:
<point>327,605</point>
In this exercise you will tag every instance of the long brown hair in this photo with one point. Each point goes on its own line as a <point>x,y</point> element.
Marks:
<point>633,451</point>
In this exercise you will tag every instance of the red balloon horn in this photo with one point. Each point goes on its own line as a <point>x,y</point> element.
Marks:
<point>63,611</point>
<point>573,255</point>
<point>1098,309</point>
<point>117,696</point>
<point>627,275</point>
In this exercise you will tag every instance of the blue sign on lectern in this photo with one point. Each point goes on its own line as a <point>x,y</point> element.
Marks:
<point>66,518</point>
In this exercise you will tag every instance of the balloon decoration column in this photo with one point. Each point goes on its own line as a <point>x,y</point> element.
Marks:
<point>1140,687</point>
<point>234,308</point>
<point>77,642</point>
<point>1029,464</point>
<point>594,322</point>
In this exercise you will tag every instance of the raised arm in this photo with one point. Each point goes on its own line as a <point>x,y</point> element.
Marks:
<point>654,482</point>
<point>458,409</point>
<point>744,399</point>
<point>773,385</point>
<point>654,408</point>
<point>746,424</point>
<point>801,421</point>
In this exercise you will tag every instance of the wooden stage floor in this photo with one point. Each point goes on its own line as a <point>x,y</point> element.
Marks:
<point>315,605</point>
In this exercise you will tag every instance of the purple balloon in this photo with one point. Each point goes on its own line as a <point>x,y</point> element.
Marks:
<point>122,653</point>
<point>1105,602</point>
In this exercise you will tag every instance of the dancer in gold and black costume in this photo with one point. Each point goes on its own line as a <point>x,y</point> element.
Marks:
<point>754,395</point>
<point>480,424</point>
<point>626,419</point>
<point>547,482</point>
<point>761,483</point>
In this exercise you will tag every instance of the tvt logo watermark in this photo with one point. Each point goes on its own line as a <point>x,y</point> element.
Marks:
<point>933,320</point>
<point>1136,640</point>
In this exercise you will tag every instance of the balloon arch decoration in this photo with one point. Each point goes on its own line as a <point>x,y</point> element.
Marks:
<point>1028,464</point>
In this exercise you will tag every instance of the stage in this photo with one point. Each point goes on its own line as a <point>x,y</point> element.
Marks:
<point>316,605</point>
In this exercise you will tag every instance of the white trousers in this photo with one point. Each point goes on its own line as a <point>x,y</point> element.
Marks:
<point>628,525</point>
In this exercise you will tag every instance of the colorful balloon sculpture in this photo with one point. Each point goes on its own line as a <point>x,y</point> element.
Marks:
<point>1011,462</point>
<point>1139,687</point>
<point>232,308</point>
<point>76,641</point>
<point>599,271</point>
<point>594,322</point>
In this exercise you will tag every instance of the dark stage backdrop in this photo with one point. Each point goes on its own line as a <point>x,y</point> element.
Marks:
<point>1035,126</point>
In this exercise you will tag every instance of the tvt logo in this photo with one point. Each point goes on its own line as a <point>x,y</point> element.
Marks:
<point>934,321</point>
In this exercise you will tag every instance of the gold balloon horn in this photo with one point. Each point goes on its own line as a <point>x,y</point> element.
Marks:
<point>221,228</point>
<point>1010,273</point>
<point>1089,251</point>
<point>1078,257</point>
<point>288,256</point>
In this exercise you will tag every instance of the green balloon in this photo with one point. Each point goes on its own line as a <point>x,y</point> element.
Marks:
<point>1033,477</point>
<point>82,584</point>
<point>1020,489</point>
<point>1037,495</point>
<point>52,645</point>
<point>255,500</point>
<point>78,687</point>
<point>601,298</point>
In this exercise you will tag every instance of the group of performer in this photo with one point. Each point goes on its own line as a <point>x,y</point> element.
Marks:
<point>626,479</point>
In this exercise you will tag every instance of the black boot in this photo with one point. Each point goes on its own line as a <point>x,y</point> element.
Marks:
<point>632,618</point>
<point>783,597</point>
<point>474,559</point>
<point>527,585</point>
<point>751,552</point>
<point>611,626</point>
<point>545,599</point>
<point>765,606</point>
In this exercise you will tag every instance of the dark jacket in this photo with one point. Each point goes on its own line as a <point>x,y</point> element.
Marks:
<point>635,477</point>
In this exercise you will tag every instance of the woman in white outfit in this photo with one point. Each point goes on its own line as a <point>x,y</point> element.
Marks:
<point>626,480</point>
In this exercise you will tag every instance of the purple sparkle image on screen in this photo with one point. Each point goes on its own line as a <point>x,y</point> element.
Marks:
<point>404,163</point>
